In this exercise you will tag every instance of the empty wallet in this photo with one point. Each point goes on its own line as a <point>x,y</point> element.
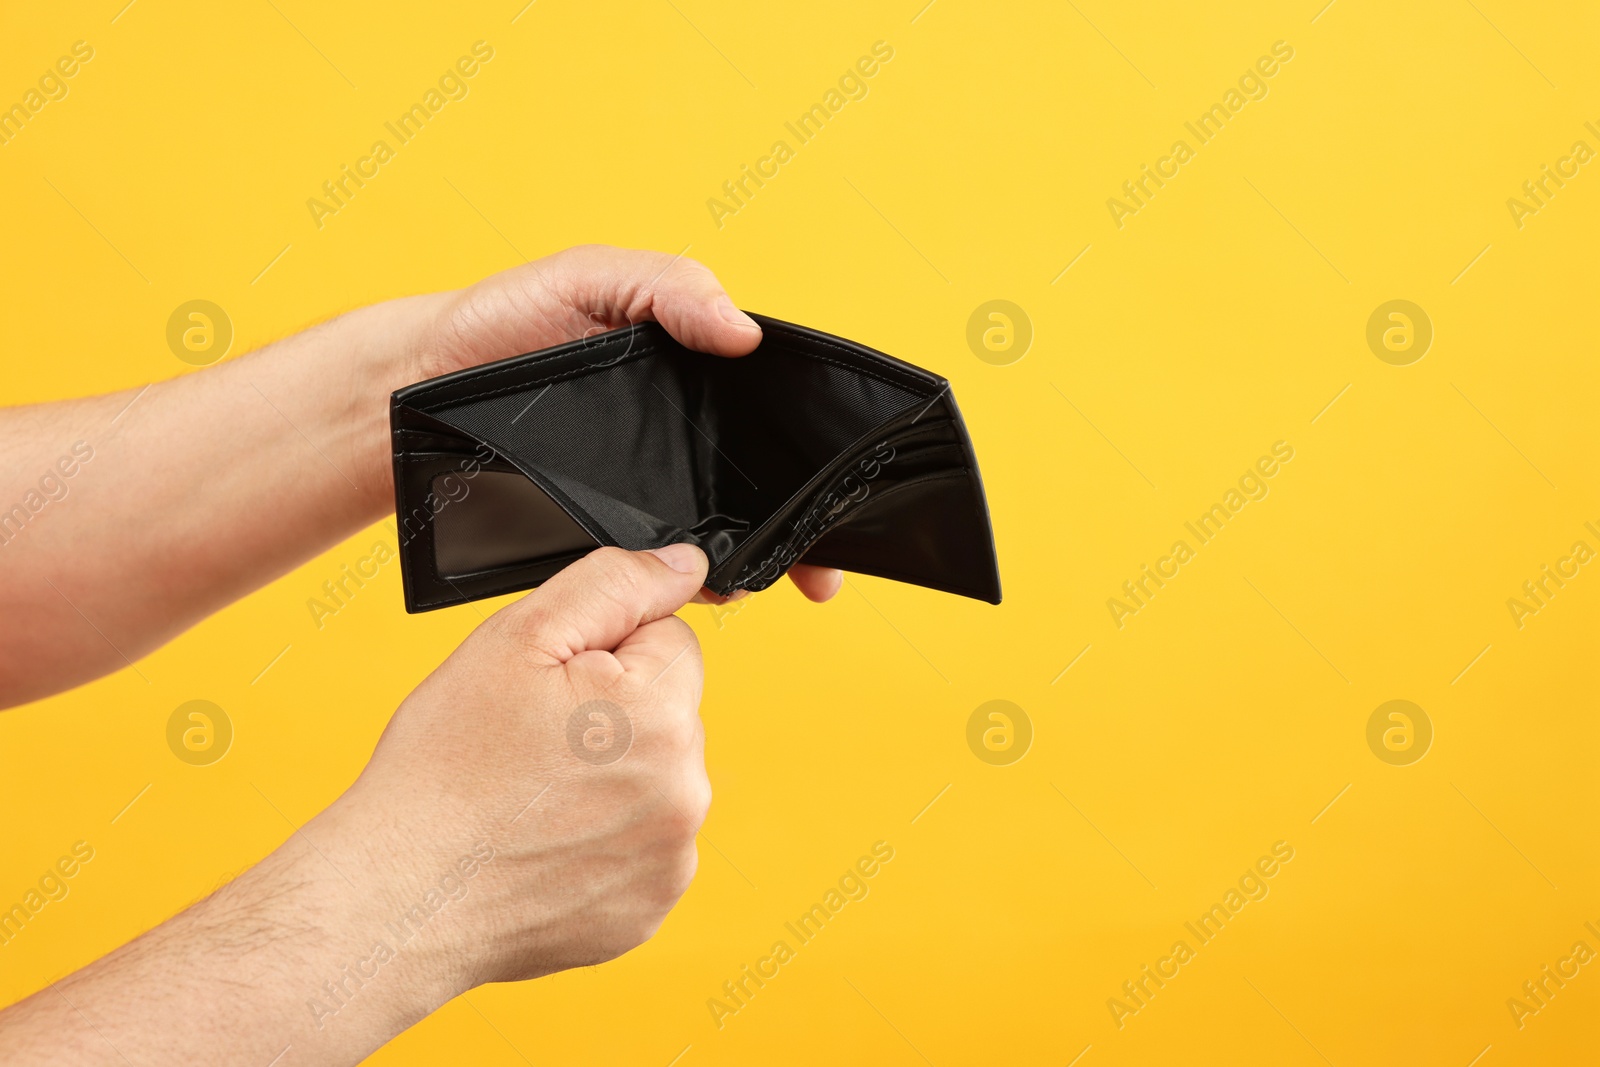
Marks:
<point>810,447</point>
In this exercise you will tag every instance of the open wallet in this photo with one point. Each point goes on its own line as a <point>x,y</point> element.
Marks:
<point>810,447</point>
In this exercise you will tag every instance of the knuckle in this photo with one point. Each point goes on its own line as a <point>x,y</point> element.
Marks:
<point>686,732</point>
<point>691,641</point>
<point>630,690</point>
<point>681,655</point>
<point>528,613</point>
<point>683,873</point>
<point>617,570</point>
<point>671,876</point>
<point>610,557</point>
<point>578,256</point>
<point>672,723</point>
<point>672,826</point>
<point>646,925</point>
<point>462,321</point>
<point>531,624</point>
<point>691,800</point>
<point>610,581</point>
<point>699,803</point>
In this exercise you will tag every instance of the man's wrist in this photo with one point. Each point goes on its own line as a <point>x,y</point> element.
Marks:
<point>329,928</point>
<point>407,950</point>
<point>333,383</point>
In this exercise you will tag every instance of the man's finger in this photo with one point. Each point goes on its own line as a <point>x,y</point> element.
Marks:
<point>665,652</point>
<point>817,583</point>
<point>679,293</point>
<point>602,598</point>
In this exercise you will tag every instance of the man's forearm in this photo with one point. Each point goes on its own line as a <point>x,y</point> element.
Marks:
<point>190,493</point>
<point>285,957</point>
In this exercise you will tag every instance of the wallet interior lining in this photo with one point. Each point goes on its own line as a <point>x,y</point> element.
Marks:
<point>677,419</point>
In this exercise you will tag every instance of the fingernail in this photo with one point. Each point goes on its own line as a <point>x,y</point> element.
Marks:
<point>682,557</point>
<point>732,314</point>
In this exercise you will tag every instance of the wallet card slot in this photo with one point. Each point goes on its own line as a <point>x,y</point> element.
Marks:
<point>498,519</point>
<point>469,523</point>
<point>928,530</point>
<point>824,502</point>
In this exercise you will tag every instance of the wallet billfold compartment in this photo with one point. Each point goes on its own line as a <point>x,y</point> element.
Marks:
<point>810,447</point>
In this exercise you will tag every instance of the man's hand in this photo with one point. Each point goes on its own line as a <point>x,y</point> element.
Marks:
<point>532,806</point>
<point>564,732</point>
<point>581,292</point>
<point>217,482</point>
<point>585,291</point>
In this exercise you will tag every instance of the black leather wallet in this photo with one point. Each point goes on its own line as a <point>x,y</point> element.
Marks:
<point>811,446</point>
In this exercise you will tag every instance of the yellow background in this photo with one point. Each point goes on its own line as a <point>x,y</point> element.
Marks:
<point>1223,317</point>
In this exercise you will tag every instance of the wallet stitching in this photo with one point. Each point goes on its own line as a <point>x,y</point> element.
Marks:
<point>876,373</point>
<point>808,339</point>
<point>578,372</point>
<point>573,373</point>
<point>863,371</point>
<point>490,572</point>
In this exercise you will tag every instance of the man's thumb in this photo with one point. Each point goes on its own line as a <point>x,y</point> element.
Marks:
<point>602,598</point>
